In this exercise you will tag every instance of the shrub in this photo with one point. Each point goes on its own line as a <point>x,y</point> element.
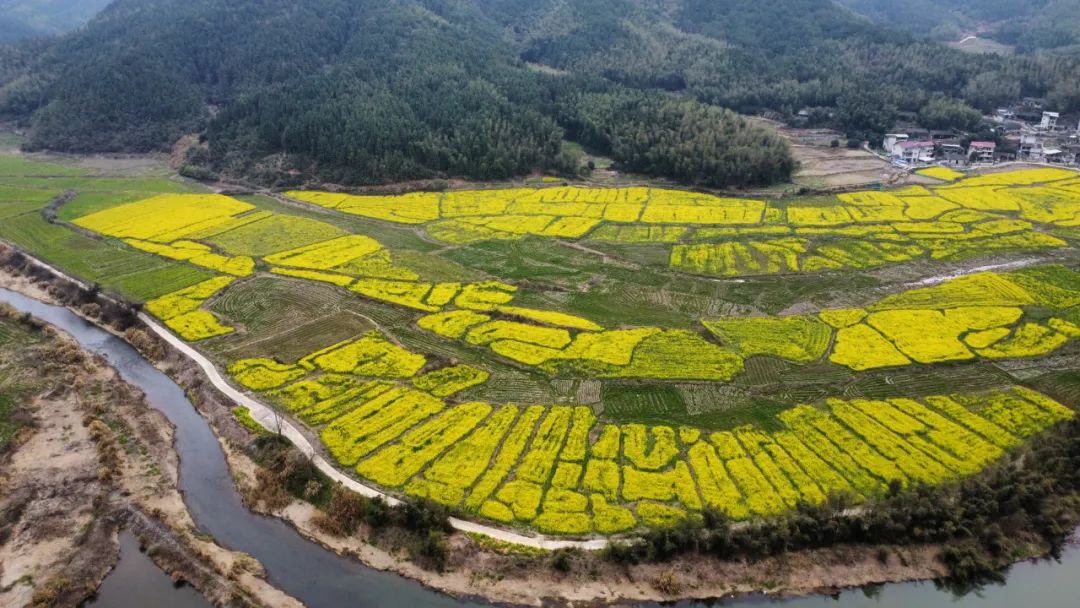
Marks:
<point>562,560</point>
<point>434,548</point>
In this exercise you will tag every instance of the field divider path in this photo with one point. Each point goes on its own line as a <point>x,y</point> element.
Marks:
<point>271,420</point>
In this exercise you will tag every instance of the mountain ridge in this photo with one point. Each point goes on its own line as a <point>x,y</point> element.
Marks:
<point>357,91</point>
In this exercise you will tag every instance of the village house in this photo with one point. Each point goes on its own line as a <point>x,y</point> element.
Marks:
<point>1031,147</point>
<point>951,155</point>
<point>1053,155</point>
<point>982,151</point>
<point>912,152</point>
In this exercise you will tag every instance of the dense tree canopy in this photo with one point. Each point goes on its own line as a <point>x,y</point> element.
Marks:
<point>365,91</point>
<point>944,113</point>
<point>1030,25</point>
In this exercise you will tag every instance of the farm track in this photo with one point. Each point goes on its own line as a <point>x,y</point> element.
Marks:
<point>269,419</point>
<point>273,422</point>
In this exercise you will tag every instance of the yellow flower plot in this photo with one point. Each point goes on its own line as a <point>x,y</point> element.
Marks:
<point>549,317</point>
<point>274,233</point>
<point>314,275</point>
<point>180,310</point>
<point>197,325</point>
<point>705,234</point>
<point>327,255</point>
<point>165,218</point>
<point>556,469</point>
<point>860,347</point>
<point>953,321</point>
<point>240,266</point>
<point>679,355</point>
<point>198,255</point>
<point>187,300</point>
<point>264,374</point>
<point>406,209</point>
<point>1023,177</point>
<point>417,406</point>
<point>404,293</point>
<point>452,324</point>
<point>450,380</point>
<point>794,338</point>
<point>1029,340</point>
<point>496,331</point>
<point>674,207</point>
<point>843,317</point>
<point>974,316</point>
<point>371,355</point>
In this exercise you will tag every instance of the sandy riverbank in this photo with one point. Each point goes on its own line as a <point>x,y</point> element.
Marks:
<point>96,458</point>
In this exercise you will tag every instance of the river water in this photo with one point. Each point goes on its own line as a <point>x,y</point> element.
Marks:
<point>322,579</point>
<point>137,578</point>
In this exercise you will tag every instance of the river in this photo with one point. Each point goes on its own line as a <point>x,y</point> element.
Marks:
<point>323,579</point>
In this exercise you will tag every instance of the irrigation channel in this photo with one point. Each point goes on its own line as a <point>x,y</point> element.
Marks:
<point>322,579</point>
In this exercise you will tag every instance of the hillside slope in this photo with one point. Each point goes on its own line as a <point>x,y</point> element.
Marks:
<point>360,91</point>
<point>1031,25</point>
<point>355,91</point>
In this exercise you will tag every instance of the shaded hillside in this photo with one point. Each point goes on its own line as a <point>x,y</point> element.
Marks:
<point>352,90</point>
<point>777,55</point>
<point>361,91</point>
<point>1030,25</point>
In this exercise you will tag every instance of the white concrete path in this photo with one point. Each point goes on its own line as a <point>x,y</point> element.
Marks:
<point>274,422</point>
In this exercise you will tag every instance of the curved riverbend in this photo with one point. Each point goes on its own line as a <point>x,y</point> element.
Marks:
<point>303,569</point>
<point>270,420</point>
<point>323,579</point>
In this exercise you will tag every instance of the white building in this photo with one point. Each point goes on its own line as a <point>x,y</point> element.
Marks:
<point>891,139</point>
<point>1049,121</point>
<point>913,152</point>
<point>1031,147</point>
<point>982,151</point>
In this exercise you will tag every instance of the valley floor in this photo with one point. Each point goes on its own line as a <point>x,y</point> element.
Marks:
<point>268,315</point>
<point>497,572</point>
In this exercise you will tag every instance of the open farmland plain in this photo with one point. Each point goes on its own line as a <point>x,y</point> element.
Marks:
<point>594,361</point>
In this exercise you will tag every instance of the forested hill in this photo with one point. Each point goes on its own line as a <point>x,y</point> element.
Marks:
<point>1029,25</point>
<point>366,91</point>
<point>22,19</point>
<point>357,91</point>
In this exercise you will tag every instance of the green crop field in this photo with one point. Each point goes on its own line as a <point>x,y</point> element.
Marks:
<point>587,361</point>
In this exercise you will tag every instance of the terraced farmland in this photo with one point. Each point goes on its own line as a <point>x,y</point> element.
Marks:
<point>587,361</point>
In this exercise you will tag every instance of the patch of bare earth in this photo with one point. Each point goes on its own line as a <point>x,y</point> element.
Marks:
<point>96,459</point>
